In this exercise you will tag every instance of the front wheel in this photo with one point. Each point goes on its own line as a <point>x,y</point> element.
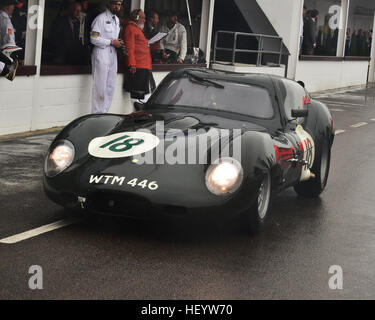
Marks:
<point>256,215</point>
<point>315,186</point>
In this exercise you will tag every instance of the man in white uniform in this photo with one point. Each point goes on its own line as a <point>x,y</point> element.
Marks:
<point>104,36</point>
<point>8,65</point>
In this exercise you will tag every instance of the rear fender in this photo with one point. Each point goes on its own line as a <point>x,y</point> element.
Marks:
<point>319,123</point>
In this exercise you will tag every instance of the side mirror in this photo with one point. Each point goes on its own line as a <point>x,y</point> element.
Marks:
<point>140,95</point>
<point>300,113</point>
<point>301,83</point>
<point>139,106</point>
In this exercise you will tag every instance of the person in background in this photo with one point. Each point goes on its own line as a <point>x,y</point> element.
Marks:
<point>85,6</point>
<point>152,22</point>
<point>174,45</point>
<point>347,41</point>
<point>353,44</point>
<point>361,43</point>
<point>8,68</point>
<point>138,74</point>
<point>104,37</point>
<point>68,47</point>
<point>150,31</point>
<point>19,22</point>
<point>83,19</point>
<point>309,33</point>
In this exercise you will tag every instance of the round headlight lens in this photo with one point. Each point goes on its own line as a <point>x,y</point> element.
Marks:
<point>224,177</point>
<point>60,158</point>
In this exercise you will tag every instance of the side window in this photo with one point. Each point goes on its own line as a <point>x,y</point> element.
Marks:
<point>295,97</point>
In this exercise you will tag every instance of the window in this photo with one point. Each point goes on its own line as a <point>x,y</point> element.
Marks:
<point>359,30</point>
<point>60,50</point>
<point>66,30</point>
<point>179,7</point>
<point>321,27</point>
<point>234,97</point>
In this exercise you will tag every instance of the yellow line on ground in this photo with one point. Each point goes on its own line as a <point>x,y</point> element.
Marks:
<point>359,124</point>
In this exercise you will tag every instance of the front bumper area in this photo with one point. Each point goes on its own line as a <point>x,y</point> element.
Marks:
<point>131,205</point>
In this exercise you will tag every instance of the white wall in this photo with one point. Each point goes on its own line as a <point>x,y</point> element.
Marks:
<point>29,104</point>
<point>15,105</point>
<point>325,75</point>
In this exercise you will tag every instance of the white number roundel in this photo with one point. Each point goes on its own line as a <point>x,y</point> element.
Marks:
<point>123,144</point>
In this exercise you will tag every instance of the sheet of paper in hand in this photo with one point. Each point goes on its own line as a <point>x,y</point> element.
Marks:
<point>157,37</point>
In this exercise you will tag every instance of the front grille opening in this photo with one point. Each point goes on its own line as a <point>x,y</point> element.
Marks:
<point>122,204</point>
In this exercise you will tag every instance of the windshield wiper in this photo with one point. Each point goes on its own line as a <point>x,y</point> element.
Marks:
<point>202,80</point>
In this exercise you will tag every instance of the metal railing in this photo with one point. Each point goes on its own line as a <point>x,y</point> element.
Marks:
<point>260,38</point>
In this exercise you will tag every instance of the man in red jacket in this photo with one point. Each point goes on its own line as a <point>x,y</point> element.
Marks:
<point>138,75</point>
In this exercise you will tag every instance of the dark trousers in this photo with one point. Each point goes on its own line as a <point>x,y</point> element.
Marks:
<point>142,80</point>
<point>173,56</point>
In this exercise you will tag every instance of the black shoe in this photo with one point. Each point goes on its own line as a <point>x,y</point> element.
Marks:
<point>12,71</point>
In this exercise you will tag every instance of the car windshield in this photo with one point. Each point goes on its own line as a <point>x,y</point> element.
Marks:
<point>200,92</point>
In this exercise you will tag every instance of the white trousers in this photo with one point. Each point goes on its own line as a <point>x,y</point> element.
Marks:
<point>105,75</point>
<point>2,65</point>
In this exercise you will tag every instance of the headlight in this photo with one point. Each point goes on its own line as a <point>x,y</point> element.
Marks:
<point>59,158</point>
<point>224,177</point>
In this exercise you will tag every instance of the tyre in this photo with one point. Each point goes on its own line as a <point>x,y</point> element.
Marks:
<point>315,186</point>
<point>257,214</point>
